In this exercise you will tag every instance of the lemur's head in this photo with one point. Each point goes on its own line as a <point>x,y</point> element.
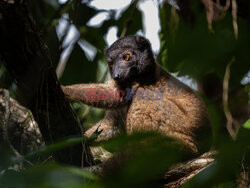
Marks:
<point>130,58</point>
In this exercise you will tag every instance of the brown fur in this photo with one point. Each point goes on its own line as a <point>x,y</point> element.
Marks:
<point>180,113</point>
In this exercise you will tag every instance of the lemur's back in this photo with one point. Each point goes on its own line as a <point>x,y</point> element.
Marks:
<point>176,112</point>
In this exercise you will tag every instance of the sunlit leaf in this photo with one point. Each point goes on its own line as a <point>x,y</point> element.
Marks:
<point>247,124</point>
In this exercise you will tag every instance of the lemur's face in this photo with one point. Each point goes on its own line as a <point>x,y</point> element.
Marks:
<point>128,57</point>
<point>122,64</point>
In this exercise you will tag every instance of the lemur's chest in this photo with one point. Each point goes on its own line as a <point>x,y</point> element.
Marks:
<point>145,110</point>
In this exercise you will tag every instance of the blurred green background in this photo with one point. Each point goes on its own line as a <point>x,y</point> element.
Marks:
<point>191,46</point>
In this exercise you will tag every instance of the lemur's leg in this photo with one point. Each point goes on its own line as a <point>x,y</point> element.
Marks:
<point>103,95</point>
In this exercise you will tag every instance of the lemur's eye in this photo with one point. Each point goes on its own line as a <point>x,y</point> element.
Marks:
<point>126,57</point>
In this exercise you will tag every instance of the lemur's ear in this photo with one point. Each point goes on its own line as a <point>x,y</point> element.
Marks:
<point>142,42</point>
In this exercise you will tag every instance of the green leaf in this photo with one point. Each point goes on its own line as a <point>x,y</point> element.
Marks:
<point>56,146</point>
<point>195,51</point>
<point>142,158</point>
<point>49,175</point>
<point>247,124</point>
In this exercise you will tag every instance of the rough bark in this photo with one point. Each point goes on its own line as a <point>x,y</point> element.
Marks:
<point>17,126</point>
<point>184,172</point>
<point>26,57</point>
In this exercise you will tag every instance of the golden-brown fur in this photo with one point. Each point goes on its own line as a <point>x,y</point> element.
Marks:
<point>179,113</point>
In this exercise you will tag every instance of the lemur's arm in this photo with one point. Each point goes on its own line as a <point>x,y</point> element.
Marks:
<point>101,95</point>
<point>111,125</point>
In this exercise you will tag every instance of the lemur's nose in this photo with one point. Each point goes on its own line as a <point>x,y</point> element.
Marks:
<point>116,76</point>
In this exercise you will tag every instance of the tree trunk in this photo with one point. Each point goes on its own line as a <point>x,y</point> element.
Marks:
<point>26,57</point>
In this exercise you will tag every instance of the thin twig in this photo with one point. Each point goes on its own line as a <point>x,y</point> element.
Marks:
<point>227,5</point>
<point>209,12</point>
<point>234,14</point>
<point>227,112</point>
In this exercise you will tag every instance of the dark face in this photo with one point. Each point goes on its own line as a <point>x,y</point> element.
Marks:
<point>128,58</point>
<point>122,64</point>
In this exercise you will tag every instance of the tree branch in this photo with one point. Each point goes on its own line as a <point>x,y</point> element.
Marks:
<point>18,130</point>
<point>184,172</point>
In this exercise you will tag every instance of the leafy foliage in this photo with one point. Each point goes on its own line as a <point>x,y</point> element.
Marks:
<point>49,175</point>
<point>199,51</point>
